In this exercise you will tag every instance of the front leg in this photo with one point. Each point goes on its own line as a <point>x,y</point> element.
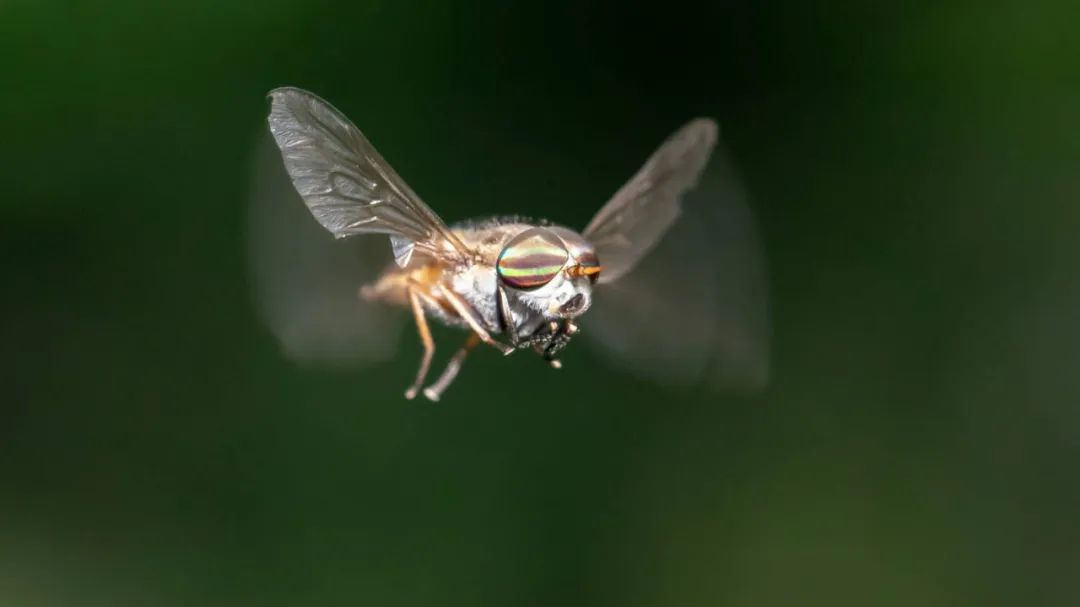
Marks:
<point>560,338</point>
<point>506,317</point>
<point>467,314</point>
<point>550,339</point>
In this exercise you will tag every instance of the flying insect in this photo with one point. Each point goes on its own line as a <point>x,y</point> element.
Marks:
<point>511,283</point>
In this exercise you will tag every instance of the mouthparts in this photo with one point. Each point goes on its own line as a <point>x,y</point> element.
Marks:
<point>573,306</point>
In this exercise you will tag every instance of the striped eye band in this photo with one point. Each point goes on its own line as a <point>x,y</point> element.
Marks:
<point>531,259</point>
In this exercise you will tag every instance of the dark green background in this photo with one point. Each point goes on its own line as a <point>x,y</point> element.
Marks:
<point>914,172</point>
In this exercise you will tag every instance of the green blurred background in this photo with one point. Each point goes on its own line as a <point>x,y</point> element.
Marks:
<point>914,175</point>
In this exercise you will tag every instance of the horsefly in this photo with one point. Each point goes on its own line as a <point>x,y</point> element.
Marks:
<point>515,284</point>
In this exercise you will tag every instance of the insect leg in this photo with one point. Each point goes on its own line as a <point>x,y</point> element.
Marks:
<point>425,338</point>
<point>435,390</point>
<point>506,317</point>
<point>553,343</point>
<point>462,308</point>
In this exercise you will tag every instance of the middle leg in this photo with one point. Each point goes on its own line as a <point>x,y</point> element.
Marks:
<point>435,390</point>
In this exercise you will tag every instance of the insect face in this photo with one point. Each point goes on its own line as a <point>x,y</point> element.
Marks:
<point>547,274</point>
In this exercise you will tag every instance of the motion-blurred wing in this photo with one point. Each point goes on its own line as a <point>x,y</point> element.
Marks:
<point>635,219</point>
<point>347,185</point>
<point>696,308</point>
<point>305,283</point>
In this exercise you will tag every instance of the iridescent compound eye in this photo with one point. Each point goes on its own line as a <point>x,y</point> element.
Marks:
<point>531,259</point>
<point>588,265</point>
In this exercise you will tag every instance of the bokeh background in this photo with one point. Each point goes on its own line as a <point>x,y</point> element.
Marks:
<point>913,171</point>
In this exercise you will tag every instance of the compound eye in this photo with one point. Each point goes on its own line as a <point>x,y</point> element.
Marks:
<point>531,259</point>
<point>588,265</point>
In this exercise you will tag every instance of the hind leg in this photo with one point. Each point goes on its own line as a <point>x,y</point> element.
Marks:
<point>435,390</point>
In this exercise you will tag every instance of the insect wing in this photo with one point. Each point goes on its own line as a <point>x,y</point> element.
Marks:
<point>639,214</point>
<point>347,185</point>
<point>696,308</point>
<point>305,283</point>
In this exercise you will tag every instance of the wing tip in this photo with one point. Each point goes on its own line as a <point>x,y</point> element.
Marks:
<point>280,92</point>
<point>288,106</point>
<point>285,98</point>
<point>707,126</point>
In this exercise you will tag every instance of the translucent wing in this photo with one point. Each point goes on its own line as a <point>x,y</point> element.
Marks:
<point>634,220</point>
<point>696,308</point>
<point>305,283</point>
<point>346,184</point>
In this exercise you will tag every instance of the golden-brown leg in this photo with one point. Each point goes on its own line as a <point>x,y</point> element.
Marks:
<point>425,338</point>
<point>435,390</point>
<point>462,308</point>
